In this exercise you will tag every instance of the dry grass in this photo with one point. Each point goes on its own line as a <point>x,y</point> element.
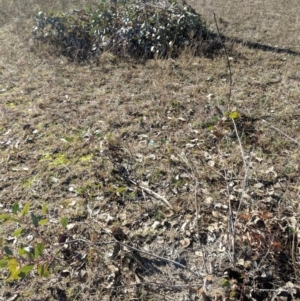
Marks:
<point>75,136</point>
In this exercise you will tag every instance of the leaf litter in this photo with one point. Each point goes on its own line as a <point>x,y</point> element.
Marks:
<point>120,187</point>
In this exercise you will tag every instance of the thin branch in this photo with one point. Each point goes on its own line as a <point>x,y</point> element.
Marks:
<point>293,251</point>
<point>154,194</point>
<point>246,167</point>
<point>147,190</point>
<point>185,159</point>
<point>163,284</point>
<point>281,132</point>
<point>197,223</point>
<point>240,143</point>
<point>243,189</point>
<point>178,286</point>
<point>266,255</point>
<point>227,57</point>
<point>230,219</point>
<point>132,248</point>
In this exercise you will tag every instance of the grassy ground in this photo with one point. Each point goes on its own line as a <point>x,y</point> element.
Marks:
<point>105,145</point>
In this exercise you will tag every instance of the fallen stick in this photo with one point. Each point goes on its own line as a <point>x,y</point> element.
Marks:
<point>156,195</point>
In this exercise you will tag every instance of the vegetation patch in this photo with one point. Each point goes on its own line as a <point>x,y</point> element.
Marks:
<point>132,30</point>
<point>122,180</point>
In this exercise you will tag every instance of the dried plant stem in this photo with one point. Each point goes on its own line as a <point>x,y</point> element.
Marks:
<point>240,143</point>
<point>198,232</point>
<point>133,249</point>
<point>246,168</point>
<point>152,193</point>
<point>293,255</point>
<point>156,195</point>
<point>243,190</point>
<point>163,285</point>
<point>185,159</point>
<point>279,131</point>
<point>227,57</point>
<point>230,219</point>
<point>147,190</point>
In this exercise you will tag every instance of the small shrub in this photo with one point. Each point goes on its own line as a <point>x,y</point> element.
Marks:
<point>27,255</point>
<point>132,30</point>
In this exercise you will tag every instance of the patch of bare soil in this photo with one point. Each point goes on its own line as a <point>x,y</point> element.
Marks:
<point>167,198</point>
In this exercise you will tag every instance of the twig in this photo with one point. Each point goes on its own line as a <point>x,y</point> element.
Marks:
<point>227,57</point>
<point>240,142</point>
<point>178,286</point>
<point>266,255</point>
<point>163,284</point>
<point>243,188</point>
<point>293,254</point>
<point>246,167</point>
<point>230,218</point>
<point>131,248</point>
<point>148,190</point>
<point>151,192</point>
<point>154,194</point>
<point>185,159</point>
<point>279,131</point>
<point>197,223</point>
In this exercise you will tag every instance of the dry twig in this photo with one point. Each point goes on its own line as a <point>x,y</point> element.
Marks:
<point>227,57</point>
<point>197,223</point>
<point>154,194</point>
<point>279,131</point>
<point>133,249</point>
